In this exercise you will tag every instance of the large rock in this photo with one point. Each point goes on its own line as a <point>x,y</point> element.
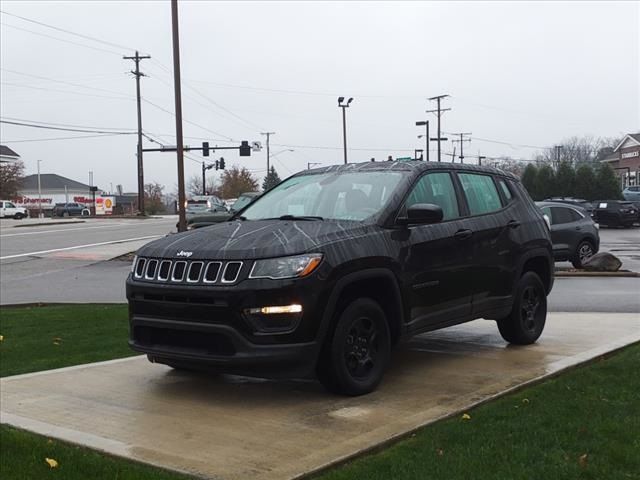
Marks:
<point>602,262</point>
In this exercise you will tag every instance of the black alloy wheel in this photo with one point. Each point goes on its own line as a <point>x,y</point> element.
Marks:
<point>356,353</point>
<point>525,323</point>
<point>584,252</point>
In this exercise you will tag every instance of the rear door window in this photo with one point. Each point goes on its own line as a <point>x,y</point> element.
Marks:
<point>564,215</point>
<point>437,189</point>
<point>481,192</point>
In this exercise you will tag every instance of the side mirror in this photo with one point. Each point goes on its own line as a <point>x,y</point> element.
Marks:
<point>422,214</point>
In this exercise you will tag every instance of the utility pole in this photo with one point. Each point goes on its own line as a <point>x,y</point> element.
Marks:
<point>182,223</point>
<point>426,137</point>
<point>344,107</point>
<point>439,111</point>
<point>268,134</point>
<point>461,142</point>
<point>204,180</point>
<point>453,155</point>
<point>139,74</point>
<point>480,158</point>
<point>40,215</point>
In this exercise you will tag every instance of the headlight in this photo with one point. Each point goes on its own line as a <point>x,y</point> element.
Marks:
<point>133,264</point>
<point>286,267</point>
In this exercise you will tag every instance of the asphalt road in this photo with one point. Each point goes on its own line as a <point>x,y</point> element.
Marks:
<point>75,266</point>
<point>31,241</point>
<point>69,262</point>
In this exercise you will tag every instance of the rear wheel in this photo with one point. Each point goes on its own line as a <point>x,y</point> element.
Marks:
<point>355,356</point>
<point>584,252</point>
<point>526,321</point>
<point>65,214</point>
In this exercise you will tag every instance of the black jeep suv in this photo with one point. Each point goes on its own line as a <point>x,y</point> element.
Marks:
<point>334,266</point>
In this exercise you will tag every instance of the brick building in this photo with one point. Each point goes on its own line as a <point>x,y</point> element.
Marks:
<point>625,160</point>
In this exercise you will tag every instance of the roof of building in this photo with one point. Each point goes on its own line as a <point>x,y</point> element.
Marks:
<point>7,152</point>
<point>612,157</point>
<point>634,137</point>
<point>51,181</point>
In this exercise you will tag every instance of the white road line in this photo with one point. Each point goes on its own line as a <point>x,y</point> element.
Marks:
<point>42,252</point>
<point>37,232</point>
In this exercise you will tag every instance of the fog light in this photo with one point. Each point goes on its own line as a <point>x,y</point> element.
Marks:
<point>277,310</point>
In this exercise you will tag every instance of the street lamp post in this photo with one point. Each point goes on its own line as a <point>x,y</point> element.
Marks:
<point>426,137</point>
<point>40,215</point>
<point>344,107</point>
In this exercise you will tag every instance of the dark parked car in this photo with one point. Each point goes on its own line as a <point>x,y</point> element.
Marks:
<point>334,266</point>
<point>211,218</point>
<point>574,234</point>
<point>614,213</point>
<point>577,202</point>
<point>70,210</point>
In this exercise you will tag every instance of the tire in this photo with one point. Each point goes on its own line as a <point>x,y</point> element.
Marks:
<point>357,351</point>
<point>584,252</point>
<point>526,321</point>
<point>18,216</point>
<point>85,213</point>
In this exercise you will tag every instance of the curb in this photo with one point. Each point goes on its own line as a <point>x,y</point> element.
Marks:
<point>47,224</point>
<point>626,274</point>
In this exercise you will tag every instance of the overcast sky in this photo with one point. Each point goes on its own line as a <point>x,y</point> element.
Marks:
<point>527,74</point>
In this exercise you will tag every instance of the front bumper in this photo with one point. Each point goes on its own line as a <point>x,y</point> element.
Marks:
<point>209,327</point>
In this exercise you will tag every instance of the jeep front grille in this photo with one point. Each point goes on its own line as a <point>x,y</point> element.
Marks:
<point>188,271</point>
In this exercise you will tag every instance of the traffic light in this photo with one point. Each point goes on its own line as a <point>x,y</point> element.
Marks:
<point>221,163</point>
<point>205,149</point>
<point>245,149</point>
<point>217,165</point>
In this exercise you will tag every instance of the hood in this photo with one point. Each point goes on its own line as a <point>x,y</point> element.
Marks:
<point>253,239</point>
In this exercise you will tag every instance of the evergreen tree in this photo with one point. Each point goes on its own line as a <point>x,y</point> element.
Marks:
<point>271,179</point>
<point>529,179</point>
<point>545,183</point>
<point>565,180</point>
<point>607,183</point>
<point>585,182</point>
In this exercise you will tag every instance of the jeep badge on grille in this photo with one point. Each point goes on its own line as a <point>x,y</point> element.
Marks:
<point>182,253</point>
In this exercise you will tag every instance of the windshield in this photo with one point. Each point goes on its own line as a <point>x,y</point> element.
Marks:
<point>241,202</point>
<point>333,195</point>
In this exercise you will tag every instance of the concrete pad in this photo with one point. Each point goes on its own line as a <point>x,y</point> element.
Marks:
<point>236,428</point>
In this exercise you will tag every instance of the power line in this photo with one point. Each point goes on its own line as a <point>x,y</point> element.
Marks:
<point>79,85</point>
<point>59,124</point>
<point>86,37</point>
<point>66,138</point>
<point>48,89</point>
<point>61,39</point>
<point>47,127</point>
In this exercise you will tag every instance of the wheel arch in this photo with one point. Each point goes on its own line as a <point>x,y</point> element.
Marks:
<point>379,284</point>
<point>540,262</point>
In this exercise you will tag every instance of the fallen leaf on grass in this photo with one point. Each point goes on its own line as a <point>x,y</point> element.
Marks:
<point>52,463</point>
<point>440,452</point>
<point>1,338</point>
<point>525,400</point>
<point>466,416</point>
<point>583,460</point>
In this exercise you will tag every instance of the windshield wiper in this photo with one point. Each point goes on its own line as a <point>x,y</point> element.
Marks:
<point>296,217</point>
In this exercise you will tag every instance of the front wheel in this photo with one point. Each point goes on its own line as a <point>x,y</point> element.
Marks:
<point>584,252</point>
<point>526,321</point>
<point>18,216</point>
<point>356,354</point>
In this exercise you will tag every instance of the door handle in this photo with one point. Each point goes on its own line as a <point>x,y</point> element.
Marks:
<point>463,234</point>
<point>513,224</point>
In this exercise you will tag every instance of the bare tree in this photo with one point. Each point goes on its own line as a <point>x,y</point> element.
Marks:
<point>153,198</point>
<point>194,185</point>
<point>11,174</point>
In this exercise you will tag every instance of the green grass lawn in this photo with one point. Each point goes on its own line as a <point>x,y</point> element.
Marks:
<point>583,424</point>
<point>45,337</point>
